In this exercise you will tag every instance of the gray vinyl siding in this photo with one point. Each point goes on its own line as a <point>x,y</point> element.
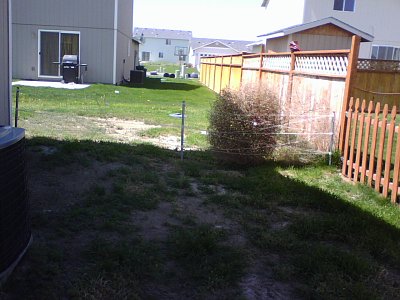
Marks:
<point>97,48</point>
<point>4,65</point>
<point>125,17</point>
<point>124,68</point>
<point>124,40</point>
<point>93,19</point>
<point>71,13</point>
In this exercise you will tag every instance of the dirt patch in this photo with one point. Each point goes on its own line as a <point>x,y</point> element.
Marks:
<point>57,188</point>
<point>132,131</point>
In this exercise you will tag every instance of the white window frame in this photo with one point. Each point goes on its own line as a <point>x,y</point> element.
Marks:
<point>59,49</point>
<point>344,6</point>
<point>142,55</point>
<point>387,46</point>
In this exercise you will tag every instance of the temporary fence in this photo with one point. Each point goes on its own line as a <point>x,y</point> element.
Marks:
<point>303,134</point>
<point>299,136</point>
<point>372,147</point>
<point>62,123</point>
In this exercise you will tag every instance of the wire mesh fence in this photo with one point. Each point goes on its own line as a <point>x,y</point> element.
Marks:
<point>178,129</point>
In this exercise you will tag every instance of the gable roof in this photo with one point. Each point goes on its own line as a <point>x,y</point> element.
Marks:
<point>238,46</point>
<point>162,33</point>
<point>365,37</point>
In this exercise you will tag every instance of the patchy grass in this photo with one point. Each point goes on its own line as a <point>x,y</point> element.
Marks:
<point>320,236</point>
<point>199,251</point>
<point>101,112</point>
<point>336,239</point>
<point>131,221</point>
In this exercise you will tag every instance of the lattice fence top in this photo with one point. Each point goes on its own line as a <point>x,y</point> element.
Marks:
<point>251,62</point>
<point>322,65</point>
<point>378,65</point>
<point>279,63</point>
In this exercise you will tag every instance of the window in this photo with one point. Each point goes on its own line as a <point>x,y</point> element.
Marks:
<point>160,55</point>
<point>167,42</point>
<point>344,5</point>
<point>385,52</point>
<point>145,56</point>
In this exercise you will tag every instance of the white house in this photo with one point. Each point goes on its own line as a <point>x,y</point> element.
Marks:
<point>203,47</point>
<point>163,45</point>
<point>376,18</point>
<point>100,32</point>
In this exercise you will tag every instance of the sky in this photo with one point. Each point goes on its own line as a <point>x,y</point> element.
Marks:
<point>223,19</point>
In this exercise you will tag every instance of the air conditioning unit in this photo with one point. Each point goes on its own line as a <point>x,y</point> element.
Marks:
<point>15,226</point>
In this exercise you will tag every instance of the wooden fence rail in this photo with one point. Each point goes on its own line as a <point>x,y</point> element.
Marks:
<point>372,147</point>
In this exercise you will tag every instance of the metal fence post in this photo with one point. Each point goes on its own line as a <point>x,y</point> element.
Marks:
<point>183,128</point>
<point>16,107</point>
<point>332,141</point>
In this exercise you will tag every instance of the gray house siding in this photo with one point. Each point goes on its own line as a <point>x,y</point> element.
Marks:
<point>100,45</point>
<point>96,50</point>
<point>72,13</point>
<point>5,115</point>
<point>125,55</point>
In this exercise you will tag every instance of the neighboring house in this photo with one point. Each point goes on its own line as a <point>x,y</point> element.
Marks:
<point>98,31</point>
<point>163,45</point>
<point>324,34</point>
<point>375,18</point>
<point>202,47</point>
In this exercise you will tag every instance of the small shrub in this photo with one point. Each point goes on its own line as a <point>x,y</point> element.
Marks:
<point>243,125</point>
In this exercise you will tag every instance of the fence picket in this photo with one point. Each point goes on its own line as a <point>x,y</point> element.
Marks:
<point>359,141</point>
<point>395,185</point>
<point>347,137</point>
<point>371,169</point>
<point>382,137</point>
<point>366,143</point>
<point>389,150</point>
<point>353,138</point>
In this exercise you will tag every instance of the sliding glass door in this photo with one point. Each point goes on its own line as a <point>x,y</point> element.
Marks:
<point>53,45</point>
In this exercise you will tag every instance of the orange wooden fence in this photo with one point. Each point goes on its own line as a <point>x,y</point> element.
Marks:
<point>372,147</point>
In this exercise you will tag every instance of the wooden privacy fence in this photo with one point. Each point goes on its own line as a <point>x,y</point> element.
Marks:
<point>372,147</point>
<point>377,80</point>
<point>307,82</point>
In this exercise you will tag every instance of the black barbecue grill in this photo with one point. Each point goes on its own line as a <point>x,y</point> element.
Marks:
<point>70,68</point>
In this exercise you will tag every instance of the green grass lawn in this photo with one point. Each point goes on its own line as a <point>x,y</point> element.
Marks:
<point>47,111</point>
<point>131,221</point>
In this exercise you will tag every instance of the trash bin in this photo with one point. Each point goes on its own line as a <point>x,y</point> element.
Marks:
<point>70,68</point>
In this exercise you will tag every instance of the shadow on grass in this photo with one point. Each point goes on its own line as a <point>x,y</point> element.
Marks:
<point>327,246</point>
<point>157,84</point>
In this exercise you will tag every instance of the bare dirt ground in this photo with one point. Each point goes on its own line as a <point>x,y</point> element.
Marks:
<point>56,189</point>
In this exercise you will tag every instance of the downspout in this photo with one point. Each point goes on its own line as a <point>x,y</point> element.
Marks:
<point>5,64</point>
<point>115,41</point>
